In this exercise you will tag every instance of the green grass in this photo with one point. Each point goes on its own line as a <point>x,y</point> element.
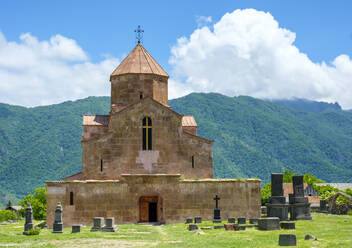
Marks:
<point>331,231</point>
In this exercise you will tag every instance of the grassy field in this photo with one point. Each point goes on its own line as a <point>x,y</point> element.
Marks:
<point>330,230</point>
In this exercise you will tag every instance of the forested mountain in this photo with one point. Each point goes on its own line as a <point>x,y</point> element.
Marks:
<point>252,139</point>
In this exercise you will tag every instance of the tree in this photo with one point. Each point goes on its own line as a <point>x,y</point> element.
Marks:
<point>9,204</point>
<point>287,177</point>
<point>38,203</point>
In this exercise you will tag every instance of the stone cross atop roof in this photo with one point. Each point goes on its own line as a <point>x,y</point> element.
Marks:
<point>139,61</point>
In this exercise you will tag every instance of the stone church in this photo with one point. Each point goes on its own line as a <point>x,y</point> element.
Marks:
<point>145,162</point>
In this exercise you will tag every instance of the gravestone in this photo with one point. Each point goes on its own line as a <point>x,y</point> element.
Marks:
<point>58,225</point>
<point>253,221</point>
<point>264,210</point>
<point>198,219</point>
<point>192,227</point>
<point>228,227</point>
<point>97,224</point>
<point>76,228</point>
<point>287,225</point>
<point>269,223</point>
<point>287,240</point>
<point>189,220</point>
<point>323,208</point>
<point>29,219</point>
<point>241,220</point>
<point>231,220</point>
<point>277,206</point>
<point>299,205</point>
<point>217,217</point>
<point>110,225</point>
<point>219,227</point>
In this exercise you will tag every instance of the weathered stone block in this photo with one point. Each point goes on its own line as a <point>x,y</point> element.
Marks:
<point>253,221</point>
<point>241,220</point>
<point>287,225</point>
<point>287,240</point>
<point>97,224</point>
<point>228,227</point>
<point>269,223</point>
<point>231,220</point>
<point>192,227</point>
<point>110,225</point>
<point>189,220</point>
<point>76,228</point>
<point>198,219</point>
<point>219,227</point>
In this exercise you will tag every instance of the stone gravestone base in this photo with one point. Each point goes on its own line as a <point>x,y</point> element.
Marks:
<point>97,224</point>
<point>198,219</point>
<point>231,220</point>
<point>241,220</point>
<point>287,225</point>
<point>322,207</point>
<point>189,220</point>
<point>299,205</point>
<point>269,223</point>
<point>219,227</point>
<point>110,225</point>
<point>192,227</point>
<point>76,228</point>
<point>287,240</point>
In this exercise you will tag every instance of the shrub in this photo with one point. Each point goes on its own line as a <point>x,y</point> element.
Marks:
<point>6,215</point>
<point>349,212</point>
<point>265,193</point>
<point>34,231</point>
<point>38,203</point>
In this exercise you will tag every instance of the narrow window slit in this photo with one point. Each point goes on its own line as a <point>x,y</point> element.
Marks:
<point>71,198</point>
<point>192,161</point>
<point>101,165</point>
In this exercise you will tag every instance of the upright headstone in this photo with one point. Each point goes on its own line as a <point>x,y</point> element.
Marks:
<point>299,205</point>
<point>241,220</point>
<point>76,228</point>
<point>110,225</point>
<point>287,240</point>
<point>277,206</point>
<point>29,219</point>
<point>323,208</point>
<point>197,219</point>
<point>189,220</point>
<point>97,224</point>
<point>58,225</point>
<point>231,220</point>
<point>217,217</point>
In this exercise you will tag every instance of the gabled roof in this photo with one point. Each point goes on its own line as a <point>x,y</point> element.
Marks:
<point>189,121</point>
<point>95,120</point>
<point>139,61</point>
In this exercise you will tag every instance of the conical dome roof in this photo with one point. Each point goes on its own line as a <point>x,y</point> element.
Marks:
<point>139,61</point>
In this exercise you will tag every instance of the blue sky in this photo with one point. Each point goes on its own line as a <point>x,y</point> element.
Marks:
<point>323,29</point>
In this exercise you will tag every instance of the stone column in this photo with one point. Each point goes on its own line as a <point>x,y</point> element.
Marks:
<point>277,206</point>
<point>299,205</point>
<point>58,225</point>
<point>29,219</point>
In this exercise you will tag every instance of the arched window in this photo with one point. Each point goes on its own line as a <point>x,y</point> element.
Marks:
<point>147,133</point>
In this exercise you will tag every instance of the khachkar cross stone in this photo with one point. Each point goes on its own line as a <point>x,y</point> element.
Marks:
<point>217,217</point>
<point>29,219</point>
<point>57,226</point>
<point>139,34</point>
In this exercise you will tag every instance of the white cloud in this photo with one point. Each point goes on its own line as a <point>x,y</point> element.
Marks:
<point>247,53</point>
<point>203,20</point>
<point>36,72</point>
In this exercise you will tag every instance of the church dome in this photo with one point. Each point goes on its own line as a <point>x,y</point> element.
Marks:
<point>139,61</point>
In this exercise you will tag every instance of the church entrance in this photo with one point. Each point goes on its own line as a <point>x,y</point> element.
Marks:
<point>148,209</point>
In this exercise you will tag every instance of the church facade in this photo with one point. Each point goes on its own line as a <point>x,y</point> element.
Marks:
<point>144,162</point>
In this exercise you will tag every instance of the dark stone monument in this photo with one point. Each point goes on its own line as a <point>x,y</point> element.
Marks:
<point>58,225</point>
<point>110,225</point>
<point>287,225</point>
<point>241,220</point>
<point>97,224</point>
<point>269,223</point>
<point>299,205</point>
<point>287,240</point>
<point>323,208</point>
<point>231,220</point>
<point>228,227</point>
<point>189,220</point>
<point>29,219</point>
<point>217,217</point>
<point>277,206</point>
<point>253,221</point>
<point>219,227</point>
<point>76,228</point>
<point>192,227</point>
<point>198,219</point>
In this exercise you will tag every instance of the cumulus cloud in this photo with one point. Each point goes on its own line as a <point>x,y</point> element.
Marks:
<point>203,20</point>
<point>247,53</point>
<point>34,72</point>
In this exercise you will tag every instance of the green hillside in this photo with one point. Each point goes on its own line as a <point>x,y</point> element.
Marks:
<point>252,139</point>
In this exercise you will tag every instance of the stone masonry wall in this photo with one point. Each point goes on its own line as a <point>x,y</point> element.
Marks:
<point>120,149</point>
<point>178,199</point>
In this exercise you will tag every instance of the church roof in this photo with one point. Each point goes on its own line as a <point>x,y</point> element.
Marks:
<point>95,120</point>
<point>189,121</point>
<point>139,61</point>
